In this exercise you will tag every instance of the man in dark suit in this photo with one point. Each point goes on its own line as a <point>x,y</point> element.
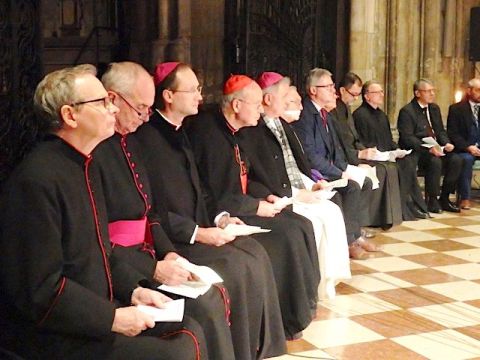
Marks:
<point>464,130</point>
<point>419,119</point>
<point>385,206</point>
<point>323,149</point>
<point>373,128</point>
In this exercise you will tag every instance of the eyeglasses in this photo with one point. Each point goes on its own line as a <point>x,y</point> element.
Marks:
<point>353,94</point>
<point>327,86</point>
<point>431,91</point>
<point>140,114</point>
<point>375,92</point>
<point>259,106</point>
<point>197,89</point>
<point>107,102</point>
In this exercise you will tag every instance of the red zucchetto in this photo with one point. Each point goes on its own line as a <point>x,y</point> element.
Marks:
<point>162,70</point>
<point>268,78</point>
<point>235,83</point>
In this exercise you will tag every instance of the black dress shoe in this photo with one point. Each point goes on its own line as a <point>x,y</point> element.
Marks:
<point>433,206</point>
<point>419,214</point>
<point>447,205</point>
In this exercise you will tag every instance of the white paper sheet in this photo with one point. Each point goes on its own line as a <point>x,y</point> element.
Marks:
<point>282,203</point>
<point>204,273</point>
<point>191,289</point>
<point>173,311</point>
<point>357,174</point>
<point>430,142</point>
<point>390,155</point>
<point>324,194</point>
<point>243,230</point>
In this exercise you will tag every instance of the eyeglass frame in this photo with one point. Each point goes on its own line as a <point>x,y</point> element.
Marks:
<point>106,102</point>
<point>198,89</point>
<point>259,105</point>
<point>138,112</point>
<point>432,90</point>
<point>376,92</point>
<point>352,94</point>
<point>327,86</point>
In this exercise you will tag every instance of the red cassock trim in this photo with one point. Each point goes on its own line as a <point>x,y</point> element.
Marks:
<point>55,300</point>
<point>97,228</point>
<point>226,302</point>
<point>189,333</point>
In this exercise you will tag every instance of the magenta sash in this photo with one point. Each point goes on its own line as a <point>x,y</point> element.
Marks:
<point>127,232</point>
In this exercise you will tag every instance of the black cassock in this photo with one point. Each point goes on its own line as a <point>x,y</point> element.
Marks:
<point>290,244</point>
<point>373,129</point>
<point>128,195</point>
<point>256,323</point>
<point>60,281</point>
<point>385,202</point>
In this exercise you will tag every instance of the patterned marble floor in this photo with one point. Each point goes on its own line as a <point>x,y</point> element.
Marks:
<point>418,299</point>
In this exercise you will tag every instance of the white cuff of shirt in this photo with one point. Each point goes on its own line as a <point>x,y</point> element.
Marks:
<point>194,235</point>
<point>219,216</point>
<point>294,191</point>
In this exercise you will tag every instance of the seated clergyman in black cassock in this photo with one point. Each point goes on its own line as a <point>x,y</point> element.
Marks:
<point>136,232</point>
<point>223,170</point>
<point>64,294</point>
<point>256,323</point>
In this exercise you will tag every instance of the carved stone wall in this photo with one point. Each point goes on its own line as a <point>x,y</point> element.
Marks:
<point>19,75</point>
<point>399,41</point>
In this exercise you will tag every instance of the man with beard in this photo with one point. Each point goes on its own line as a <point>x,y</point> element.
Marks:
<point>276,158</point>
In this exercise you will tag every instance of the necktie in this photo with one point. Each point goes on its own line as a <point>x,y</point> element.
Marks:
<point>429,126</point>
<point>323,115</point>
<point>476,109</point>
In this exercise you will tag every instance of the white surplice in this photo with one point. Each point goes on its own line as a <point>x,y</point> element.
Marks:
<point>331,239</point>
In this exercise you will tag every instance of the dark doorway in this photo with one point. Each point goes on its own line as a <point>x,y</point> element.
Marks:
<point>290,37</point>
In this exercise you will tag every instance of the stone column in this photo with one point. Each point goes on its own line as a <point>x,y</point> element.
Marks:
<point>174,36</point>
<point>399,41</point>
<point>403,39</point>
<point>208,46</point>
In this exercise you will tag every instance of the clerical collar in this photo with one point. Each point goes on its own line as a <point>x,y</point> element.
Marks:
<point>230,127</point>
<point>177,127</point>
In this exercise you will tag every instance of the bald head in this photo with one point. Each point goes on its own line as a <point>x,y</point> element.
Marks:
<point>131,88</point>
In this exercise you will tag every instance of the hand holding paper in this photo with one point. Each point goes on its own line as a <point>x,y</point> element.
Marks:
<point>283,202</point>
<point>244,230</point>
<point>193,289</point>
<point>431,143</point>
<point>172,312</point>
